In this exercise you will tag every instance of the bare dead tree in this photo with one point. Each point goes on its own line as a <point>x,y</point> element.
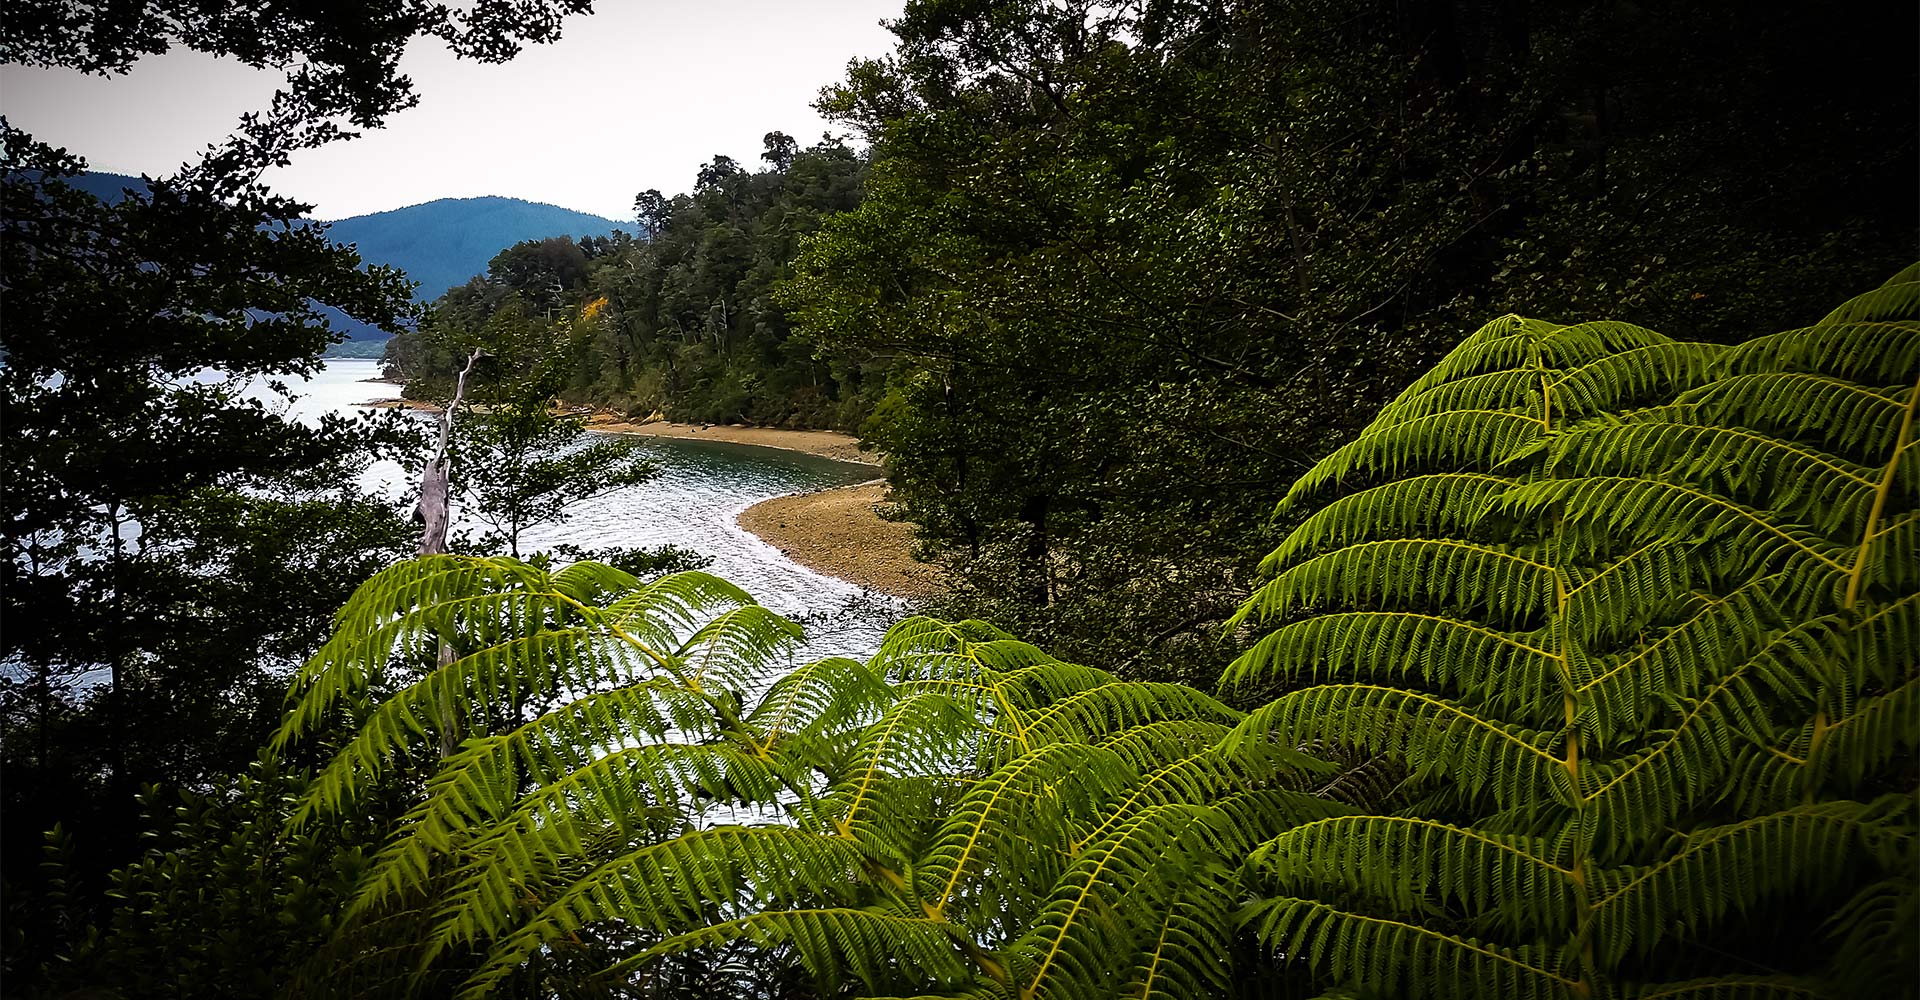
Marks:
<point>435,508</point>
<point>435,512</point>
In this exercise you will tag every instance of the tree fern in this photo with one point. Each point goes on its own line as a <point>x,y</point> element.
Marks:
<point>638,781</point>
<point>1642,614</point>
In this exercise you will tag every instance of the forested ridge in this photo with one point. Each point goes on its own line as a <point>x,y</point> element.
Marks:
<point>679,320</point>
<point>1430,496</point>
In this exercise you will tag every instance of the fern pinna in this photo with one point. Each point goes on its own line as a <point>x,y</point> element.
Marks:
<point>1638,619</point>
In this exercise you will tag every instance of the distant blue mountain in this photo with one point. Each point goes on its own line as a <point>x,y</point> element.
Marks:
<point>439,244</point>
<point>443,243</point>
<point>109,188</point>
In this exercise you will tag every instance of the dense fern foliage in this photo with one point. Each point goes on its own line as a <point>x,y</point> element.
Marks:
<point>964,813</point>
<point>1637,618</point>
<point>1592,675</point>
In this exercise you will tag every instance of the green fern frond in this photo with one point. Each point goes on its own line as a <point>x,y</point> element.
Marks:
<point>839,945</point>
<point>732,649</point>
<point>384,616</point>
<point>1096,713</point>
<point>1431,734</point>
<point>1575,344</point>
<point>1602,513</point>
<point>1683,766</point>
<point>1509,587</point>
<point>1613,382</point>
<point>1454,440</point>
<point>972,838</point>
<point>1737,866</point>
<point>1735,988</point>
<point>1888,638</point>
<point>1875,935</point>
<point>1506,671</point>
<point>826,694</point>
<point>1506,343</point>
<point>918,735</point>
<point>1874,734</point>
<point>1421,506</point>
<point>1623,690</point>
<point>1189,957</point>
<point>1890,562</point>
<point>1210,776</point>
<point>1715,634</point>
<point>1879,349</point>
<point>1416,865</point>
<point>1502,389</point>
<point>1068,949</point>
<point>1388,957</point>
<point>1846,418</point>
<point>1154,744</point>
<point>676,883</point>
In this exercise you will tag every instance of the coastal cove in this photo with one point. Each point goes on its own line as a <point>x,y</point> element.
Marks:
<point>707,483</point>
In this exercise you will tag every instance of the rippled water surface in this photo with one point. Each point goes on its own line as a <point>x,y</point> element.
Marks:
<point>703,486</point>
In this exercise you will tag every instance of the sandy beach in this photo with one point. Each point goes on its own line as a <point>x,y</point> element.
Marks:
<point>826,444</point>
<point>838,532</point>
<point>400,404</point>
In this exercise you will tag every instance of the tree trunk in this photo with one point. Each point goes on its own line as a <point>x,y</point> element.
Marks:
<point>435,507</point>
<point>434,512</point>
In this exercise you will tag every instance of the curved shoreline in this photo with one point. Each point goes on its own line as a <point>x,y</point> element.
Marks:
<point>836,532</point>
<point>822,444</point>
<point>839,533</point>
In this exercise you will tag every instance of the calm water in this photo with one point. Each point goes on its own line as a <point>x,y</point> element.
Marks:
<point>702,488</point>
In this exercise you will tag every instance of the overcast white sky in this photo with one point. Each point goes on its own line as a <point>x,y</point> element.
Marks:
<point>636,96</point>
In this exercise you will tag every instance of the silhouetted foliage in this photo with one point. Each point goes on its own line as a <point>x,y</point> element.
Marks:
<point>173,543</point>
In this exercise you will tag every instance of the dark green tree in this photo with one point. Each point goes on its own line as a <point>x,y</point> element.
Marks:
<point>156,516</point>
<point>716,171</point>
<point>544,273</point>
<point>1133,266</point>
<point>779,150</point>
<point>516,461</point>
<point>690,326</point>
<point>172,542</point>
<point>650,208</point>
<point>518,465</point>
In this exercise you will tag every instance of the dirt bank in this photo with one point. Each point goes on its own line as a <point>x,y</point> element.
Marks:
<point>837,532</point>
